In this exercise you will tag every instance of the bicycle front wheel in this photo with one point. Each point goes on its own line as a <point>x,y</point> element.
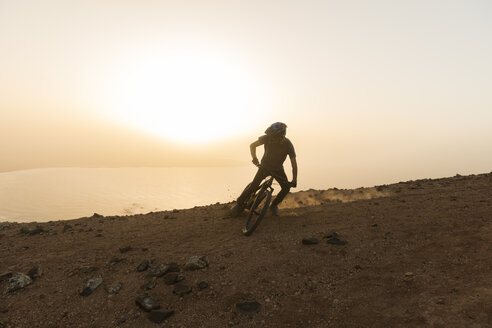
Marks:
<point>257,211</point>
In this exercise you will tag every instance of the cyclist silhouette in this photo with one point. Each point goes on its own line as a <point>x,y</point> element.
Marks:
<point>277,147</point>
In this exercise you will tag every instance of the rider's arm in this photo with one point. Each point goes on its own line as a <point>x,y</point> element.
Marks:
<point>293,161</point>
<point>252,149</point>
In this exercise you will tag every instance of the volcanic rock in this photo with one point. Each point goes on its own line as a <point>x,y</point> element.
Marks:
<point>181,289</point>
<point>202,285</point>
<point>115,260</point>
<point>17,281</point>
<point>143,266</point>
<point>31,230</point>
<point>309,241</point>
<point>114,288</point>
<point>146,303</point>
<point>172,278</point>
<point>5,276</point>
<point>157,271</point>
<point>149,285</point>
<point>35,272</point>
<point>91,286</point>
<point>196,263</point>
<point>334,239</point>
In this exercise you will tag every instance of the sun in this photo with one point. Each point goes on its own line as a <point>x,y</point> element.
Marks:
<point>186,95</point>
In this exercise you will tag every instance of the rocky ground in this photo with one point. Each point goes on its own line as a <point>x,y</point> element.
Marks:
<point>411,254</point>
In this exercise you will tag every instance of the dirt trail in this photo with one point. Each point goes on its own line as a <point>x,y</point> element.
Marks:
<point>418,254</point>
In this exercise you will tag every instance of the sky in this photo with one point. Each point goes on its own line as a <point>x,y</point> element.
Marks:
<point>393,89</point>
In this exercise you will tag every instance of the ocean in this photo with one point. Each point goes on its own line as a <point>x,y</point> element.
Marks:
<point>69,193</point>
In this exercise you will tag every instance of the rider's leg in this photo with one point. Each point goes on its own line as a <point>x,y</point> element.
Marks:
<point>281,178</point>
<point>260,175</point>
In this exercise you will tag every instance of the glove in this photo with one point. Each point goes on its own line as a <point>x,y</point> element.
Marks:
<point>293,183</point>
<point>255,161</point>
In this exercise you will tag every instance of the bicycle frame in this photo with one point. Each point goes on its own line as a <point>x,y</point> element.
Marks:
<point>258,204</point>
<point>264,185</point>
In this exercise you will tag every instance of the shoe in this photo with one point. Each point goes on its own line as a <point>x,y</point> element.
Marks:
<point>236,210</point>
<point>274,210</point>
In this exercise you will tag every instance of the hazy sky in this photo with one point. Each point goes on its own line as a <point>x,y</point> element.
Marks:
<point>387,88</point>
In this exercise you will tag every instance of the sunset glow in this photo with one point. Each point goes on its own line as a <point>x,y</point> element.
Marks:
<point>377,89</point>
<point>190,95</point>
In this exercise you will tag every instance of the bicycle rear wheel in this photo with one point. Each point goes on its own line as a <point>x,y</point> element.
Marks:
<point>257,211</point>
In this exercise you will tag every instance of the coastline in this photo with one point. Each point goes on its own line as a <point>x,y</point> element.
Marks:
<point>415,255</point>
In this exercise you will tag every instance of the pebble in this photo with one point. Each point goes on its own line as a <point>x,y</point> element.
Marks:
<point>115,260</point>
<point>309,241</point>
<point>121,321</point>
<point>334,239</point>
<point>17,281</point>
<point>144,265</point>
<point>35,272</point>
<point>125,249</point>
<point>181,289</point>
<point>149,285</point>
<point>202,285</point>
<point>31,230</point>
<point>196,263</point>
<point>115,288</point>
<point>146,303</point>
<point>173,267</point>
<point>67,227</point>
<point>172,278</point>
<point>157,271</point>
<point>91,286</point>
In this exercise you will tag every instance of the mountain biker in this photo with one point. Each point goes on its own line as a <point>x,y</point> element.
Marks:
<point>277,147</point>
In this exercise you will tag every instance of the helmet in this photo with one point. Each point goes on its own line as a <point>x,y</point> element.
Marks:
<point>277,128</point>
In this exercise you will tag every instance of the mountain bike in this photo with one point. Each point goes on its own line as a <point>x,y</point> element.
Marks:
<point>258,204</point>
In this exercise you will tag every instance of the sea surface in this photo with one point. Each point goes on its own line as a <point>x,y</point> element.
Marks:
<point>68,193</point>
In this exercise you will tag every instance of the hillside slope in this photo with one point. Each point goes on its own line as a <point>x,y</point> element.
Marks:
<point>418,254</point>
